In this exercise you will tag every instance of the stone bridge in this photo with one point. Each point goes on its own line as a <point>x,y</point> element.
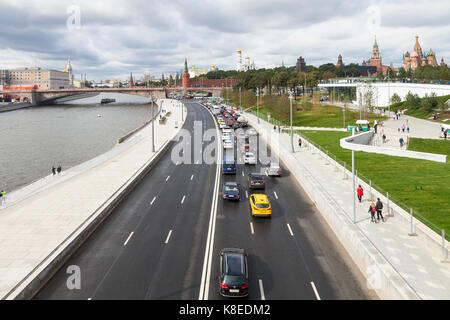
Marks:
<point>40,96</point>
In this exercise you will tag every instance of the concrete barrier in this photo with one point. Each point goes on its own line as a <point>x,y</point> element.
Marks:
<point>359,143</point>
<point>380,274</point>
<point>42,273</point>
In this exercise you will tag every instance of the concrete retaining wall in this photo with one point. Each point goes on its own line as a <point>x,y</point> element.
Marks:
<point>357,143</point>
<point>379,273</point>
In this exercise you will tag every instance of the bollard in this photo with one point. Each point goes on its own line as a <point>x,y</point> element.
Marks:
<point>411,233</point>
<point>444,250</point>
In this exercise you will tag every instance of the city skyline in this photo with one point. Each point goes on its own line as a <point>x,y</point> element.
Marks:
<point>105,43</point>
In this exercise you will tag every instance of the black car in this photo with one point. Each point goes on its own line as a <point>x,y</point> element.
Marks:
<point>233,273</point>
<point>231,191</point>
<point>256,181</point>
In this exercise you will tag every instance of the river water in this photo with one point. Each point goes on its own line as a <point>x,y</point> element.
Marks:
<point>32,140</point>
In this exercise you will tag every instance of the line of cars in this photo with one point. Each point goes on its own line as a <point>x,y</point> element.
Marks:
<point>233,278</point>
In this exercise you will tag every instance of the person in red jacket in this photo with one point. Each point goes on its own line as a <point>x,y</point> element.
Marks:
<point>359,193</point>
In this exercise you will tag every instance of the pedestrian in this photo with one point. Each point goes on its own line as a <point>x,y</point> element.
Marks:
<point>275,128</point>
<point>59,169</point>
<point>53,170</point>
<point>401,142</point>
<point>379,207</point>
<point>372,210</point>
<point>1,197</point>
<point>384,138</point>
<point>407,129</point>
<point>403,128</point>
<point>299,142</point>
<point>359,193</point>
<point>398,130</point>
<point>375,125</point>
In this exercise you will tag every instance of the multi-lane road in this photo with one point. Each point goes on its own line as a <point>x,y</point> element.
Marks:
<point>163,240</point>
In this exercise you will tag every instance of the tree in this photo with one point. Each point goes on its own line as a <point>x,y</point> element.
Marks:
<point>395,99</point>
<point>328,67</point>
<point>412,101</point>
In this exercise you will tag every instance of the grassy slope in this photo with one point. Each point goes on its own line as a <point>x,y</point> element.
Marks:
<point>419,184</point>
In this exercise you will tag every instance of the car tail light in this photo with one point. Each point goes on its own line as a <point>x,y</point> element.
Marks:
<point>279,171</point>
<point>252,182</point>
<point>262,181</point>
<point>244,286</point>
<point>223,285</point>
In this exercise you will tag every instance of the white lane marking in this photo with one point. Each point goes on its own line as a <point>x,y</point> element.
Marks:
<point>168,237</point>
<point>246,194</point>
<point>290,230</point>
<point>207,261</point>
<point>261,289</point>
<point>192,177</point>
<point>178,162</point>
<point>242,173</point>
<point>315,290</point>
<point>168,177</point>
<point>266,174</point>
<point>89,298</point>
<point>182,200</point>
<point>251,228</point>
<point>129,237</point>
<point>153,200</point>
<point>275,193</point>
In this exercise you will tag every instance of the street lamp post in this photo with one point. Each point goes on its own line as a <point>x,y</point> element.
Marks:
<point>292,131</point>
<point>257,103</point>
<point>353,179</point>
<point>240,99</point>
<point>389,93</point>
<point>153,128</point>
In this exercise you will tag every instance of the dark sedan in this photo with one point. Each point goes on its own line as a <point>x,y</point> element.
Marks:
<point>256,181</point>
<point>231,191</point>
<point>233,277</point>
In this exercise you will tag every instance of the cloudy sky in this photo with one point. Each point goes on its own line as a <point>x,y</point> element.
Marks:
<point>110,39</point>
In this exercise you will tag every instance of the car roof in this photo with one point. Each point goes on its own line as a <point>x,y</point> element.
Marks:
<point>260,198</point>
<point>255,174</point>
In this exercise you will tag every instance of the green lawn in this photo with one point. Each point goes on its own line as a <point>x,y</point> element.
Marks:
<point>324,116</point>
<point>430,146</point>
<point>419,184</point>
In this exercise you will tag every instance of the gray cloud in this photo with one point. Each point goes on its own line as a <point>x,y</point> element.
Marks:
<point>119,37</point>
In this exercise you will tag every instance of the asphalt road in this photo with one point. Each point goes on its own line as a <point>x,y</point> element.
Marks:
<point>153,245</point>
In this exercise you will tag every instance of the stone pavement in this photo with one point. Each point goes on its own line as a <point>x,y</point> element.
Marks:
<point>419,266</point>
<point>51,209</point>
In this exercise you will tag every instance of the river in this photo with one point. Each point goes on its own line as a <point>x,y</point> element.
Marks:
<point>32,140</point>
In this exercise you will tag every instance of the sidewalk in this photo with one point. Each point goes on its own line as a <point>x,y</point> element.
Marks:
<point>32,229</point>
<point>420,267</point>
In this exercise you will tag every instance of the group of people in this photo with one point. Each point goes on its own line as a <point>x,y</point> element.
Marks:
<point>277,127</point>
<point>373,208</point>
<point>55,170</point>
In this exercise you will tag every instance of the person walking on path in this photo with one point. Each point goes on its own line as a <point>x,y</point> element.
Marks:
<point>372,210</point>
<point>359,193</point>
<point>403,127</point>
<point>375,125</point>
<point>379,207</point>
<point>3,198</point>
<point>401,142</point>
<point>275,128</point>
<point>59,169</point>
<point>299,142</point>
<point>53,170</point>
<point>407,129</point>
<point>384,138</point>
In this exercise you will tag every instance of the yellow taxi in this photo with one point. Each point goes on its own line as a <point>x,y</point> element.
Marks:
<point>260,205</point>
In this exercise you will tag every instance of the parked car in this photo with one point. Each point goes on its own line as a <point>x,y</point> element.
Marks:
<point>233,279</point>
<point>256,181</point>
<point>231,191</point>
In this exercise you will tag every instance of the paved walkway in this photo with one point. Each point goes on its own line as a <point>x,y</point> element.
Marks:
<point>419,266</point>
<point>51,209</point>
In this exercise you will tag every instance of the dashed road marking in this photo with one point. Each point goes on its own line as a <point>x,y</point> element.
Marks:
<point>251,228</point>
<point>168,177</point>
<point>315,290</point>
<point>192,177</point>
<point>153,200</point>
<point>246,194</point>
<point>261,290</point>
<point>290,230</point>
<point>168,237</point>
<point>182,200</point>
<point>129,237</point>
<point>275,193</point>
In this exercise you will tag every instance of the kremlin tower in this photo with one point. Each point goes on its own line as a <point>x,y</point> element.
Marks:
<point>417,58</point>
<point>131,82</point>
<point>185,79</point>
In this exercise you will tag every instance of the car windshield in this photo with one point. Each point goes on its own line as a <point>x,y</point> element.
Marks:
<point>231,188</point>
<point>234,280</point>
<point>257,178</point>
<point>262,205</point>
<point>234,264</point>
<point>249,155</point>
